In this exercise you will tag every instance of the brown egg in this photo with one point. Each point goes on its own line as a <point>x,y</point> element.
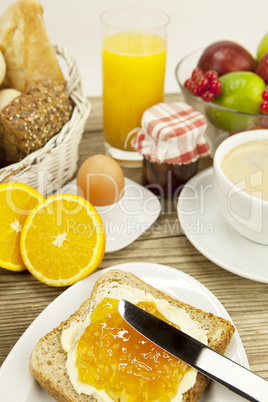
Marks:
<point>100,180</point>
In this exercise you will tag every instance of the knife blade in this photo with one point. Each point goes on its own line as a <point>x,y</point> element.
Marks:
<point>196,354</point>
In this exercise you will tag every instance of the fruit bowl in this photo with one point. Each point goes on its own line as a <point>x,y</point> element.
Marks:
<point>222,122</point>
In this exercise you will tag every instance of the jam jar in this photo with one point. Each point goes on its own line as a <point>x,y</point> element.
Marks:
<point>165,179</point>
<point>171,140</point>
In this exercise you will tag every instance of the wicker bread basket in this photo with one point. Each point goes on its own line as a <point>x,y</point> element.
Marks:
<point>48,168</point>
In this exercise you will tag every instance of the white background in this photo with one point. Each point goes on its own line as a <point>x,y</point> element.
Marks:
<point>194,24</point>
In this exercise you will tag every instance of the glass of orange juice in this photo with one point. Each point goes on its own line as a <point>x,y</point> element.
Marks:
<point>133,63</point>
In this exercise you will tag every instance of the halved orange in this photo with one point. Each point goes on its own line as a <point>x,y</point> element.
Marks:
<point>17,200</point>
<point>63,240</point>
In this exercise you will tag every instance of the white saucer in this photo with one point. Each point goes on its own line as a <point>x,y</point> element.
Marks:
<point>207,230</point>
<point>129,218</point>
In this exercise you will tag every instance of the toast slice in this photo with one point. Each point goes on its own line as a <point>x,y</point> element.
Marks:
<point>48,359</point>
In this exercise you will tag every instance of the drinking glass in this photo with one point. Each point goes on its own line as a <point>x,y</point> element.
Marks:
<point>133,63</point>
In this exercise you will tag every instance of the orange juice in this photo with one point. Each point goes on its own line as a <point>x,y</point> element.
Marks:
<point>133,80</point>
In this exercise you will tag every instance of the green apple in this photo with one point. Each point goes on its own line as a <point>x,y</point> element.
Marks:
<point>241,92</point>
<point>228,120</point>
<point>263,47</point>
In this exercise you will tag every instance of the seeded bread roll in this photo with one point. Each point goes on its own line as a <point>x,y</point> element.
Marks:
<point>48,359</point>
<point>32,118</point>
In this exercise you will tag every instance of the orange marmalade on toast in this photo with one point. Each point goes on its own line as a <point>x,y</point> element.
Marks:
<point>114,357</point>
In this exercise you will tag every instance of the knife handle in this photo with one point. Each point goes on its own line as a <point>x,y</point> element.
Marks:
<point>233,376</point>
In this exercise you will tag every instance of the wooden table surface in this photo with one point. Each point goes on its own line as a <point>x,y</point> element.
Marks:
<point>22,297</point>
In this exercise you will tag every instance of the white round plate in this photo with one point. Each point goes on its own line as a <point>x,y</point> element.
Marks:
<point>208,231</point>
<point>129,218</point>
<point>173,282</point>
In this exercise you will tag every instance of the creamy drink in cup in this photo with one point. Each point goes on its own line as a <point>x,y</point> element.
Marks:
<point>240,183</point>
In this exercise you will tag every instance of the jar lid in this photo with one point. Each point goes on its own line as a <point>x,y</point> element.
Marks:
<point>172,133</point>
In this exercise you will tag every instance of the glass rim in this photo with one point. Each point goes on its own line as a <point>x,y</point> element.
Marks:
<point>108,10</point>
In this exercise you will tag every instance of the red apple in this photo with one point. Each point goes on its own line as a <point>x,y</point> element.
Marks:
<point>262,69</point>
<point>226,57</point>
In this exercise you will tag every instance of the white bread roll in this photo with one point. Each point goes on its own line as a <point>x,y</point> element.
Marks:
<point>2,68</point>
<point>7,95</point>
<point>28,52</point>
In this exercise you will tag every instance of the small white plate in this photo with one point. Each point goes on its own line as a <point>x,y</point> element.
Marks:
<point>129,218</point>
<point>16,382</point>
<point>208,231</point>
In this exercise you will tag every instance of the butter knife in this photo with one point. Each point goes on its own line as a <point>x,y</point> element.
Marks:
<point>197,355</point>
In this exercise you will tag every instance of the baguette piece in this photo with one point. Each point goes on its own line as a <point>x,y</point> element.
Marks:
<point>31,119</point>
<point>48,359</point>
<point>27,50</point>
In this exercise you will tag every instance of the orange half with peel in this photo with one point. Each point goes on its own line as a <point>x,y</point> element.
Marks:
<point>17,201</point>
<point>63,240</point>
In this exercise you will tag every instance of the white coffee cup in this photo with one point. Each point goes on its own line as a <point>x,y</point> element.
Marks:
<point>246,213</point>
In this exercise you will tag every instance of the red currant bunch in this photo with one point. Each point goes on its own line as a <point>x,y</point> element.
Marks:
<point>206,85</point>
<point>264,104</point>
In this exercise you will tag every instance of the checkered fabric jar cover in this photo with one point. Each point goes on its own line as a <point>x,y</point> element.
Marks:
<point>172,133</point>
